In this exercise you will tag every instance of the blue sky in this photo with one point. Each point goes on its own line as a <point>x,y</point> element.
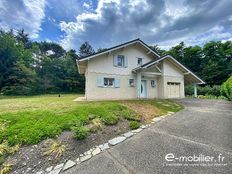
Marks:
<point>105,23</point>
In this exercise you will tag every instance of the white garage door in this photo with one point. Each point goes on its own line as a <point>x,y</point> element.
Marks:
<point>173,90</point>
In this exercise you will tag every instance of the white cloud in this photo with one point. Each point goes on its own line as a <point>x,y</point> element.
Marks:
<point>27,14</point>
<point>164,22</point>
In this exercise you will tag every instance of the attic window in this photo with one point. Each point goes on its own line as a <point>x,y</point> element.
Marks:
<point>121,60</point>
<point>140,61</point>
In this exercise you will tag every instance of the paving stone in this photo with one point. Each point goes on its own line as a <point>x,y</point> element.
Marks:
<point>86,157</point>
<point>137,130</point>
<point>55,171</point>
<point>104,146</point>
<point>128,134</point>
<point>59,166</point>
<point>156,119</point>
<point>69,164</point>
<point>40,172</point>
<point>49,169</point>
<point>116,140</point>
<point>78,160</point>
<point>143,126</point>
<point>96,151</point>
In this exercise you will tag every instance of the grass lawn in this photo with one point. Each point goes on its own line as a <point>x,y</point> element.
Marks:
<point>28,120</point>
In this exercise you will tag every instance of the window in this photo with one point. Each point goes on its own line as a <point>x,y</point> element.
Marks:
<point>109,82</point>
<point>153,83</point>
<point>131,82</point>
<point>121,60</point>
<point>173,83</point>
<point>140,61</point>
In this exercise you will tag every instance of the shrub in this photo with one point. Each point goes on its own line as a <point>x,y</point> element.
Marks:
<point>81,132</point>
<point>203,90</point>
<point>55,148</point>
<point>130,115</point>
<point>95,125</point>
<point>6,168</point>
<point>110,119</point>
<point>226,89</point>
<point>134,125</point>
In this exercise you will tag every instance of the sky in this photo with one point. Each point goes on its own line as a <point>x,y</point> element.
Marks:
<point>106,23</point>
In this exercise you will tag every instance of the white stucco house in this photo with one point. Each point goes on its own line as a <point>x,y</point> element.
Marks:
<point>132,71</point>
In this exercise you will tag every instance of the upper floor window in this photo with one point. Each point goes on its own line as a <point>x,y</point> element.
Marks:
<point>120,61</point>
<point>140,61</point>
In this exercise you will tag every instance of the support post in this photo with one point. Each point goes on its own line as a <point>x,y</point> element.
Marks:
<point>138,79</point>
<point>195,90</point>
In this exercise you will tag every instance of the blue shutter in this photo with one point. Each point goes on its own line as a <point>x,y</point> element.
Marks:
<point>100,81</point>
<point>115,60</point>
<point>117,83</point>
<point>126,62</point>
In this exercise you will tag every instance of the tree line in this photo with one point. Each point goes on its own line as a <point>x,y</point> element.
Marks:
<point>28,67</point>
<point>212,62</point>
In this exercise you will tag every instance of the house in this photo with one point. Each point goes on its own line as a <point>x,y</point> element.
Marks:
<point>133,70</point>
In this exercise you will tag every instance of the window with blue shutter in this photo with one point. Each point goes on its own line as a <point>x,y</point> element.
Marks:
<point>117,83</point>
<point>120,61</point>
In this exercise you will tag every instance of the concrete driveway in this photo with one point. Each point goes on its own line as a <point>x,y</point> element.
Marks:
<point>203,128</point>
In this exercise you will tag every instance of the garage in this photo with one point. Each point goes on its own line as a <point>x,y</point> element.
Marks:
<point>173,89</point>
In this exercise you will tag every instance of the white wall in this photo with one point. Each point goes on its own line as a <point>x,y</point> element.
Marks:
<point>171,74</point>
<point>104,63</point>
<point>102,66</point>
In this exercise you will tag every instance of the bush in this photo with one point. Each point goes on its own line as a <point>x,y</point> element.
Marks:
<point>226,89</point>
<point>55,148</point>
<point>95,125</point>
<point>204,90</point>
<point>81,132</point>
<point>130,115</point>
<point>134,125</point>
<point>110,119</point>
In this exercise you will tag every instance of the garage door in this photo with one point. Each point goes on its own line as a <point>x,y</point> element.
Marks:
<point>173,90</point>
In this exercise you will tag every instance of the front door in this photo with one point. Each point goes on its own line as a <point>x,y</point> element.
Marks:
<point>143,90</point>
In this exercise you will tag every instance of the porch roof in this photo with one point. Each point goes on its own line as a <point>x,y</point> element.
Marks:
<point>189,76</point>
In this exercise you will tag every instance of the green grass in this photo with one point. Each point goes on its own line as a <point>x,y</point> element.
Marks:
<point>29,120</point>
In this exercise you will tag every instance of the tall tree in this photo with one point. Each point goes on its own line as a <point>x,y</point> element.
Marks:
<point>23,37</point>
<point>86,49</point>
<point>158,50</point>
<point>178,51</point>
<point>52,50</point>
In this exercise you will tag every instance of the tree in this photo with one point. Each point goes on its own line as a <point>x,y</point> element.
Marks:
<point>158,50</point>
<point>52,50</point>
<point>178,51</point>
<point>23,37</point>
<point>86,49</point>
<point>72,54</point>
<point>192,58</point>
<point>215,63</point>
<point>17,76</point>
